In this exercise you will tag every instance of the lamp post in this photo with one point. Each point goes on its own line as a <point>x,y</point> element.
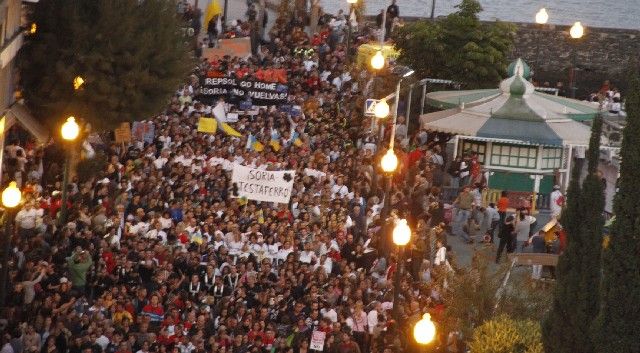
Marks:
<point>541,19</point>
<point>404,72</point>
<point>351,9</point>
<point>69,132</point>
<point>11,197</point>
<point>424,331</point>
<point>401,237</point>
<point>576,32</point>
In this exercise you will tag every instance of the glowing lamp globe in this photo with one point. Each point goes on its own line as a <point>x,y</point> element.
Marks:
<point>389,162</point>
<point>70,129</point>
<point>577,31</point>
<point>352,1</point>
<point>11,196</point>
<point>381,110</point>
<point>401,233</point>
<point>424,331</point>
<point>377,61</point>
<point>542,16</point>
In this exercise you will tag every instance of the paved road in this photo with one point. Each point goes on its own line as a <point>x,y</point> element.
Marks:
<point>463,252</point>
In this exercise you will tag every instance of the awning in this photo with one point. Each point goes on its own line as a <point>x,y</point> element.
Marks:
<point>20,114</point>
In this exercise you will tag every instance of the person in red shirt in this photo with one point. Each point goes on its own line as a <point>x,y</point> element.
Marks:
<point>503,205</point>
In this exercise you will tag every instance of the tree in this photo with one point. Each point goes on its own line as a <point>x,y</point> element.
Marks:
<point>575,303</point>
<point>616,327</point>
<point>459,47</point>
<point>130,53</point>
<point>505,335</point>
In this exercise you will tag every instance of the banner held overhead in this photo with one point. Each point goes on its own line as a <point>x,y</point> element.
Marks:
<point>262,185</point>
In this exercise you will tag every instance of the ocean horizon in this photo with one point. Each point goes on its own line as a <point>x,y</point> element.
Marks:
<point>624,14</point>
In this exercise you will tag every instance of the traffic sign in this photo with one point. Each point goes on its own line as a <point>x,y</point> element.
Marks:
<point>370,106</point>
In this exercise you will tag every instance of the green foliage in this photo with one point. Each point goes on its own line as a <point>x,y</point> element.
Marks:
<point>130,53</point>
<point>616,327</point>
<point>458,47</point>
<point>505,335</point>
<point>575,304</point>
<point>471,297</point>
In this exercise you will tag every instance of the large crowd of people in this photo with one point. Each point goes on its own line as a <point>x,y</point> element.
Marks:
<point>157,255</point>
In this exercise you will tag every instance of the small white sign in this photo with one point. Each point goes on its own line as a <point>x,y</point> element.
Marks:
<point>317,340</point>
<point>370,107</point>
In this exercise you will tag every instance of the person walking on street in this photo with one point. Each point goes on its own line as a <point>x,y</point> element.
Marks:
<point>506,235</point>
<point>463,203</point>
<point>538,246</point>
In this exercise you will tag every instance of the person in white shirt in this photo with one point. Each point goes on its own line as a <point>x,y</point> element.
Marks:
<point>160,162</point>
<point>307,256</point>
<point>157,233</point>
<point>441,254</point>
<point>27,219</point>
<point>372,317</point>
<point>339,189</point>
<point>557,201</point>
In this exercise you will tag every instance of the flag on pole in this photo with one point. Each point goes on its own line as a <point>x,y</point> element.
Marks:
<point>208,125</point>
<point>214,9</point>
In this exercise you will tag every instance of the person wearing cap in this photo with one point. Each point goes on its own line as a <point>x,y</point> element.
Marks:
<point>557,201</point>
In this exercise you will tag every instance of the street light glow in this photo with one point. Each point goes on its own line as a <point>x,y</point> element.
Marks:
<point>70,129</point>
<point>352,1</point>
<point>377,61</point>
<point>577,31</point>
<point>542,16</point>
<point>11,196</point>
<point>381,110</point>
<point>401,233</point>
<point>389,161</point>
<point>424,331</point>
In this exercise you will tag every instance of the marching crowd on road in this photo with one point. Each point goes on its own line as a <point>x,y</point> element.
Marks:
<point>158,255</point>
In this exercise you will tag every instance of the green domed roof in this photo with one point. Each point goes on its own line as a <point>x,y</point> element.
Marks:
<point>519,66</point>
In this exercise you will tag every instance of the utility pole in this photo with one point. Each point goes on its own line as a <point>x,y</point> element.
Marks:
<point>433,9</point>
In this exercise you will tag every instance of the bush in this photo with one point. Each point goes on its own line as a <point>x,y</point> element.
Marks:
<point>504,335</point>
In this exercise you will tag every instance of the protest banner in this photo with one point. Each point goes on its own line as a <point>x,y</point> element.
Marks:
<point>143,131</point>
<point>262,185</point>
<point>237,90</point>
<point>122,133</point>
<point>317,340</point>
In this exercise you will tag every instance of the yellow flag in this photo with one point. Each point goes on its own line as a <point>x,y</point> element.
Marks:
<point>208,125</point>
<point>229,130</point>
<point>258,146</point>
<point>213,10</point>
<point>297,142</point>
<point>275,144</point>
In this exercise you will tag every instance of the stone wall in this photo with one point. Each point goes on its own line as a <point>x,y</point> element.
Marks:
<point>602,53</point>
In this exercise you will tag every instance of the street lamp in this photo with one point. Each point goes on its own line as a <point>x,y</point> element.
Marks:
<point>11,197</point>
<point>576,32</point>
<point>381,110</point>
<point>401,236</point>
<point>403,72</point>
<point>69,132</point>
<point>401,233</point>
<point>351,9</point>
<point>389,162</point>
<point>542,16</point>
<point>541,19</point>
<point>377,61</point>
<point>425,330</point>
